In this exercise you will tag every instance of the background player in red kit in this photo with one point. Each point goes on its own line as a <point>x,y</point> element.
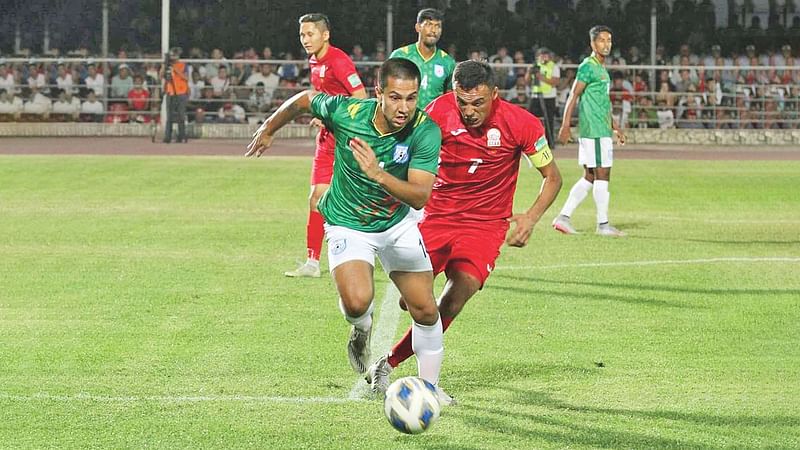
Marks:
<point>468,215</point>
<point>332,72</point>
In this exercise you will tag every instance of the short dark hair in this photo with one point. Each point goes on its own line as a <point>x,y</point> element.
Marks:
<point>319,19</point>
<point>401,68</point>
<point>429,14</point>
<point>597,29</point>
<point>471,74</point>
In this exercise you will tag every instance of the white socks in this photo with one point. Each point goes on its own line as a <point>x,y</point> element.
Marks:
<point>428,344</point>
<point>362,322</point>
<point>576,195</point>
<point>601,196</point>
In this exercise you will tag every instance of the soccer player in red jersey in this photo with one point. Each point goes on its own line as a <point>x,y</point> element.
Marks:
<point>470,210</point>
<point>332,72</point>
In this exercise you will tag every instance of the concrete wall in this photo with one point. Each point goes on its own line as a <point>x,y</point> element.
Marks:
<point>635,136</point>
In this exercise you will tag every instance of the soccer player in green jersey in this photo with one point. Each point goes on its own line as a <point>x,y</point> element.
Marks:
<point>435,65</point>
<point>596,127</point>
<point>387,155</point>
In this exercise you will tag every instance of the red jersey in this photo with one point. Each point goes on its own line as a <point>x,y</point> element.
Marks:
<point>479,166</point>
<point>138,99</point>
<point>335,73</point>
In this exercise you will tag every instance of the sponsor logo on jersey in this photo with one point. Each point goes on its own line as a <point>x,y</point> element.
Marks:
<point>338,246</point>
<point>458,131</point>
<point>353,109</point>
<point>489,268</point>
<point>400,154</point>
<point>354,80</point>
<point>438,70</point>
<point>493,137</point>
<point>322,70</point>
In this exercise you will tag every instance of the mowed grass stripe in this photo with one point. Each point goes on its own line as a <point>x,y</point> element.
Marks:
<point>129,280</point>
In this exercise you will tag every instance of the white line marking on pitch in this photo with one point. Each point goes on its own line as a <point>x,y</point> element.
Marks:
<point>654,262</point>
<point>173,399</point>
<point>382,336</point>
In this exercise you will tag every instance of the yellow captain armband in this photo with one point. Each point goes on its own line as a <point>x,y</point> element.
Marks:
<point>543,154</point>
<point>542,157</point>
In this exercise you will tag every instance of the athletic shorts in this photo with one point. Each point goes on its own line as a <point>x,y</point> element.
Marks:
<point>469,248</point>
<point>595,152</point>
<point>400,248</point>
<point>322,168</point>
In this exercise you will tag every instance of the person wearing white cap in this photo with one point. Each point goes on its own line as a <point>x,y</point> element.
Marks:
<point>121,84</point>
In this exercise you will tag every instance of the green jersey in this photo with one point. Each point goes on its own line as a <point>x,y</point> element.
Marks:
<point>436,72</point>
<point>594,114</point>
<point>353,200</point>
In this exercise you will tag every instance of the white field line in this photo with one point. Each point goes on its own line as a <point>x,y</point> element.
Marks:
<point>85,397</point>
<point>382,336</point>
<point>657,262</point>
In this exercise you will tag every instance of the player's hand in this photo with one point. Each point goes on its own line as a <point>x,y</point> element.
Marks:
<point>315,122</point>
<point>523,227</point>
<point>365,157</point>
<point>261,141</point>
<point>620,137</point>
<point>564,134</point>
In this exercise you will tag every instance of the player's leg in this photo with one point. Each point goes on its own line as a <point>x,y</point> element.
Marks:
<point>581,189</point>
<point>321,174</point>
<point>468,256</point>
<point>351,258</point>
<point>315,234</point>
<point>438,243</point>
<point>601,194</point>
<point>406,260</point>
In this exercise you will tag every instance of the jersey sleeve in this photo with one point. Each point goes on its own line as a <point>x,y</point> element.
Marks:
<point>401,52</point>
<point>585,74</point>
<point>347,74</point>
<point>426,145</point>
<point>324,106</point>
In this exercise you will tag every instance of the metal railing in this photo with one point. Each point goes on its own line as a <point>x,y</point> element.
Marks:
<point>740,101</point>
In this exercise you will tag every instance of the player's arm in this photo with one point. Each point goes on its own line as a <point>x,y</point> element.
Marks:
<point>359,93</point>
<point>262,138</point>
<point>182,74</point>
<point>551,185</point>
<point>553,80</point>
<point>414,192</point>
<point>617,130</point>
<point>564,134</point>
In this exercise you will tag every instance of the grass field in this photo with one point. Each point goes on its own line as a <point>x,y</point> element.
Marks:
<point>142,304</point>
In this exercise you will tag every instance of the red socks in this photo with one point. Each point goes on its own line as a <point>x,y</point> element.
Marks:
<point>402,349</point>
<point>315,233</point>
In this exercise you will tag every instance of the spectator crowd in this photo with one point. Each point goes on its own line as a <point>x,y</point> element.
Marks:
<point>707,90</point>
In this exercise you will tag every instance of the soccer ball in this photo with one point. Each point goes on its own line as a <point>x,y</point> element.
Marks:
<point>411,405</point>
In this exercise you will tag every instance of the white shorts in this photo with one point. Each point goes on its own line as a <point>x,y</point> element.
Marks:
<point>595,152</point>
<point>400,248</point>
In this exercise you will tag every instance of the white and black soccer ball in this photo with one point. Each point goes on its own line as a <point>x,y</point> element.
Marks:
<point>411,405</point>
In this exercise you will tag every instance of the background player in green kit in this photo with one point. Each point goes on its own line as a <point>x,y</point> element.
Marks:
<point>596,127</point>
<point>435,65</point>
<point>387,153</point>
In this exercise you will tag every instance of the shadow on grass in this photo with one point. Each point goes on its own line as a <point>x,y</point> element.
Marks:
<point>644,287</point>
<point>580,431</point>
